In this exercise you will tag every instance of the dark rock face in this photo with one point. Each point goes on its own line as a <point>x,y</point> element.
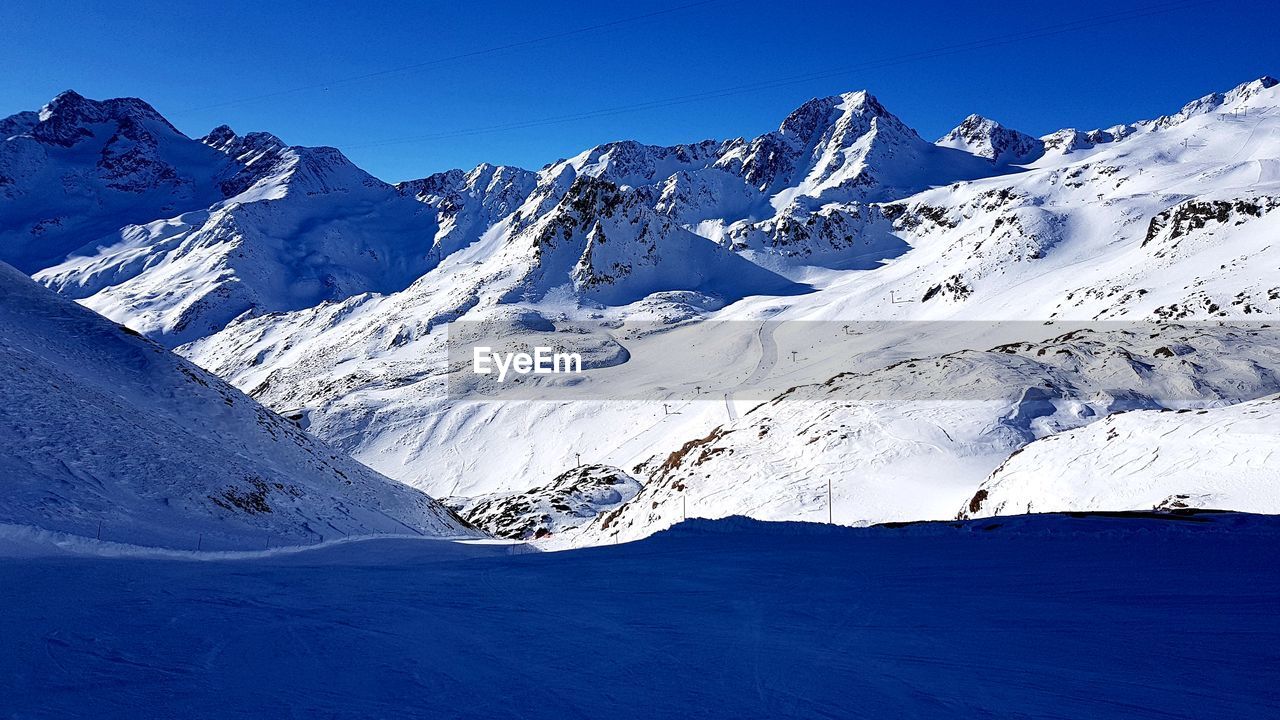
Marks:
<point>66,120</point>
<point>989,139</point>
<point>1194,215</point>
<point>572,499</point>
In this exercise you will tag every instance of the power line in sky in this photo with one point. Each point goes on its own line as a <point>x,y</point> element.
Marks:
<point>969,46</point>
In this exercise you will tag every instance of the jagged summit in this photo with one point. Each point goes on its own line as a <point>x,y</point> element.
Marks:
<point>806,123</point>
<point>433,185</point>
<point>220,138</point>
<point>255,147</point>
<point>819,148</point>
<point>632,163</point>
<point>1248,89</point>
<point>808,119</point>
<point>257,156</point>
<point>66,98</point>
<point>99,164</point>
<point>264,162</point>
<point>863,102</point>
<point>243,223</point>
<point>989,139</point>
<point>610,245</point>
<point>972,122</point>
<point>67,118</point>
<point>226,140</point>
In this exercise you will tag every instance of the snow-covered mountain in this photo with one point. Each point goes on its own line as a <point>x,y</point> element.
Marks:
<point>605,244</point>
<point>325,293</point>
<point>989,139</point>
<point>80,169</point>
<point>303,227</point>
<point>176,237</point>
<point>1144,460</point>
<point>108,434</point>
<point>913,439</point>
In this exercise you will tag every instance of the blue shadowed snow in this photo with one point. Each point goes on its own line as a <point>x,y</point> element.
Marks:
<point>1047,616</point>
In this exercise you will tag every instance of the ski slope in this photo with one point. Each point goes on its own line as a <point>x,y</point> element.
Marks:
<point>1038,617</point>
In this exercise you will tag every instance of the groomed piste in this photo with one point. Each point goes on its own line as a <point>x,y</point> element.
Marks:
<point>1063,616</point>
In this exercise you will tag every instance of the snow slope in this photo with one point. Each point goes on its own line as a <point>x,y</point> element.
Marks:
<point>913,440</point>
<point>1209,458</point>
<point>109,435</point>
<point>299,226</point>
<point>1039,617</point>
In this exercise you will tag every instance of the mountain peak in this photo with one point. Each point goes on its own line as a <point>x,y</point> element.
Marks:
<point>220,138</point>
<point>973,127</point>
<point>246,148</point>
<point>67,96</point>
<point>632,163</point>
<point>859,112</point>
<point>988,139</point>
<point>810,118</point>
<point>977,121</point>
<point>65,119</point>
<point>1244,91</point>
<point>1232,99</point>
<point>863,102</point>
<point>818,139</point>
<point>70,104</point>
<point>819,113</point>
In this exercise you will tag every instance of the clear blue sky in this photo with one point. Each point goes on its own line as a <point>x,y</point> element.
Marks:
<point>202,64</point>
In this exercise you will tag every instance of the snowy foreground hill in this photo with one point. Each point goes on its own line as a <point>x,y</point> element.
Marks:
<point>720,283</point>
<point>1031,617</point>
<point>107,434</point>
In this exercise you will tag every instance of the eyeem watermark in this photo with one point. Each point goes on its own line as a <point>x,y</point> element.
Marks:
<point>542,361</point>
<point>1135,363</point>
